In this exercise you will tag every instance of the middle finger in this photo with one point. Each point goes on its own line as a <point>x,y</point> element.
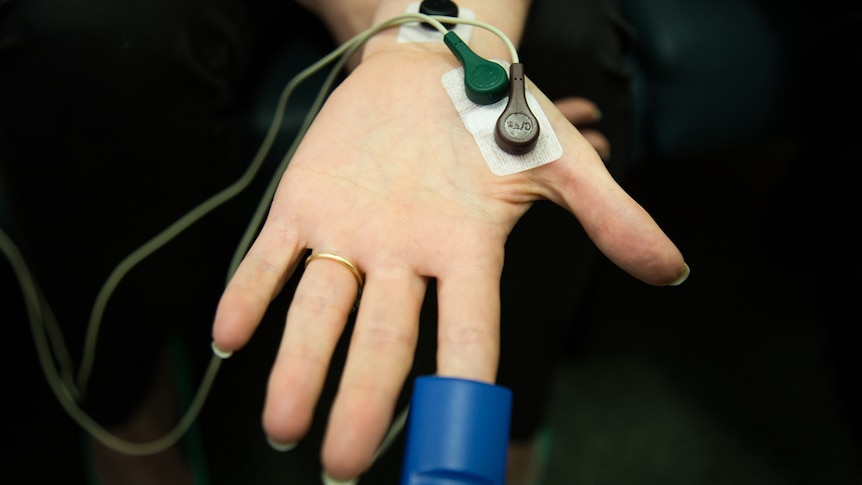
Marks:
<point>315,321</point>
<point>378,362</point>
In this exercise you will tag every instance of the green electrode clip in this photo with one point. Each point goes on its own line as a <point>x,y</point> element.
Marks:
<point>485,82</point>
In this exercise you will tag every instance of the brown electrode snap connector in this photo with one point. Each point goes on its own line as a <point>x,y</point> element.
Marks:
<point>517,130</point>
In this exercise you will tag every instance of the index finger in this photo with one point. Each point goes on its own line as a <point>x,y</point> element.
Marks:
<point>468,341</point>
<point>259,278</point>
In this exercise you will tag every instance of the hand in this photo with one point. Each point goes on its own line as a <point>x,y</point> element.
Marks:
<point>388,178</point>
<point>582,112</point>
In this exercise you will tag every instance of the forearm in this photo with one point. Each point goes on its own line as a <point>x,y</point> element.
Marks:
<point>346,18</point>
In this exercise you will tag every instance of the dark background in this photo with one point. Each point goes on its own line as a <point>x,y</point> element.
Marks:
<point>746,374</point>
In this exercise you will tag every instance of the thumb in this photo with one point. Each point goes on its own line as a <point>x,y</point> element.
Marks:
<point>622,229</point>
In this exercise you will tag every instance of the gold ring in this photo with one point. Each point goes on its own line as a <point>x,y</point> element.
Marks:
<point>347,264</point>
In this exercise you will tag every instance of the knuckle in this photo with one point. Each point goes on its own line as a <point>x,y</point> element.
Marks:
<point>465,338</point>
<point>386,338</point>
<point>317,303</point>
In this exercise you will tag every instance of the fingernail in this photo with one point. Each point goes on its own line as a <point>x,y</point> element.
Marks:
<point>597,114</point>
<point>682,278</point>
<point>282,447</point>
<point>220,353</point>
<point>327,480</point>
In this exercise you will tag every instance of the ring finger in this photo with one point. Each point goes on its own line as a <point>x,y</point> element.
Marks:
<point>316,319</point>
<point>378,362</point>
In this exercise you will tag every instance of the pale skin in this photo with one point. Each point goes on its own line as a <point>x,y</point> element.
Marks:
<point>389,178</point>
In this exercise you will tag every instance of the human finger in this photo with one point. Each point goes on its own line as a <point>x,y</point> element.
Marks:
<point>469,315</point>
<point>258,279</point>
<point>316,318</point>
<point>379,359</point>
<point>598,141</point>
<point>579,111</point>
<point>619,226</point>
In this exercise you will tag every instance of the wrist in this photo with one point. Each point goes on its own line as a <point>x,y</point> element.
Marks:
<point>346,18</point>
<point>506,15</point>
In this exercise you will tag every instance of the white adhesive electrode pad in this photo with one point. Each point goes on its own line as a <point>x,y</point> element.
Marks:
<point>480,121</point>
<point>415,32</point>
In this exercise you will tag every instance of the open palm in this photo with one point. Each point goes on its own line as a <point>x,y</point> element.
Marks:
<point>388,178</point>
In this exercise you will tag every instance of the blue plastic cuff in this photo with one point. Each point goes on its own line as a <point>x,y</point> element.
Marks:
<point>457,433</point>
